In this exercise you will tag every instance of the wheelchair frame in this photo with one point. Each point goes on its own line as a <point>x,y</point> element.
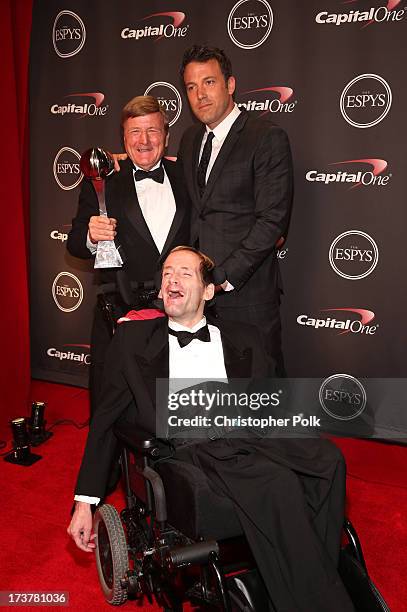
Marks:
<point>139,554</point>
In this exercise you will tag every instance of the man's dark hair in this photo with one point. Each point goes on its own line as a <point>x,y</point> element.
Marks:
<point>200,53</point>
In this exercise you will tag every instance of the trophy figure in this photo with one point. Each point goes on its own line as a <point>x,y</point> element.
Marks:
<point>96,164</point>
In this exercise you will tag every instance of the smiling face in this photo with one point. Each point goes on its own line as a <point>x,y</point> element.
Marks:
<point>145,139</point>
<point>182,288</point>
<point>209,95</point>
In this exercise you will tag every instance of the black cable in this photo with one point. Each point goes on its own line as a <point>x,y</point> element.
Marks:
<point>69,422</point>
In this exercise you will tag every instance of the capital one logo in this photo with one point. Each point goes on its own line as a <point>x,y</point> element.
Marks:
<point>273,99</point>
<point>353,255</point>
<point>90,107</point>
<point>249,23</point>
<point>381,14</point>
<point>342,396</point>
<point>365,101</point>
<point>70,352</point>
<point>374,176</point>
<point>344,320</point>
<point>159,27</point>
<point>68,34</point>
<point>169,98</point>
<point>67,291</point>
<point>66,168</point>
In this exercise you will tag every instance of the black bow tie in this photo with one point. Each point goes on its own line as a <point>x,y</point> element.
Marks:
<point>185,337</point>
<point>157,174</point>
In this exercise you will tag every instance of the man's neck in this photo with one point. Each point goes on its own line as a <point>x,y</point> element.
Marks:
<point>189,323</point>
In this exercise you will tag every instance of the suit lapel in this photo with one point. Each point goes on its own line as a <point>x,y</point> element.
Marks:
<point>223,155</point>
<point>131,206</point>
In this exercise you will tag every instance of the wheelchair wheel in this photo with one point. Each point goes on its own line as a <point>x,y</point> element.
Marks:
<point>112,558</point>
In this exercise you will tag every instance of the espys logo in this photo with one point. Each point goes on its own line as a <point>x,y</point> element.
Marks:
<point>168,96</point>
<point>160,28</point>
<point>342,396</point>
<point>68,34</point>
<point>359,325</point>
<point>87,109</point>
<point>269,100</point>
<point>67,291</point>
<point>83,357</point>
<point>353,255</point>
<point>381,14</point>
<point>365,100</point>
<point>249,23</point>
<point>362,177</point>
<point>67,172</point>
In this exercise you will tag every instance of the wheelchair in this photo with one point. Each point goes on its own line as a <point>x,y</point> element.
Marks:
<point>177,541</point>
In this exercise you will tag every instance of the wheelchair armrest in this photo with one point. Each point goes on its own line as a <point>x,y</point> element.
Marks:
<point>137,440</point>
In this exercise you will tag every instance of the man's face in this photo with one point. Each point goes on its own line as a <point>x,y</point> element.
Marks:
<point>182,288</point>
<point>145,139</point>
<point>208,94</point>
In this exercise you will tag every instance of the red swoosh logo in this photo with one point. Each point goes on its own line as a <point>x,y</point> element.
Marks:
<point>378,165</point>
<point>284,92</point>
<point>366,316</point>
<point>97,95</point>
<point>78,345</point>
<point>176,16</point>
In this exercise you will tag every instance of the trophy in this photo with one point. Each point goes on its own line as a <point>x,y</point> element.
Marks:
<point>96,164</point>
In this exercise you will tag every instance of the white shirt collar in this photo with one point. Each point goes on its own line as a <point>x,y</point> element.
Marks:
<point>178,327</point>
<point>222,130</point>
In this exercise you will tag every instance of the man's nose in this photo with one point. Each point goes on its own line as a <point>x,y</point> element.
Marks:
<point>201,93</point>
<point>143,137</point>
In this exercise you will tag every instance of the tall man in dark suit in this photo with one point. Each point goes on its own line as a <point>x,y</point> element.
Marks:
<point>148,214</point>
<point>238,171</point>
<point>288,494</point>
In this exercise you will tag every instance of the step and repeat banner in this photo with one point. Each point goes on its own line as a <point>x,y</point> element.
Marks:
<point>332,74</point>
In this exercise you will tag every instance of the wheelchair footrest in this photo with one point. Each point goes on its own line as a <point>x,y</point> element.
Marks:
<point>195,553</point>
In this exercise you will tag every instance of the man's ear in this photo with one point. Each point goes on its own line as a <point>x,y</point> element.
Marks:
<point>160,295</point>
<point>231,85</point>
<point>209,292</point>
<point>167,139</point>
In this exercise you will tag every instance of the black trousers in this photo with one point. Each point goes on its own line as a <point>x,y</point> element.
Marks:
<point>289,496</point>
<point>267,318</point>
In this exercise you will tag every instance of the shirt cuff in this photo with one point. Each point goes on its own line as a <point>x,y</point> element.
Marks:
<point>87,499</point>
<point>92,247</point>
<point>226,286</point>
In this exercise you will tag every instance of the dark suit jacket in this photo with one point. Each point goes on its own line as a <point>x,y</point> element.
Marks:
<point>137,356</point>
<point>245,208</point>
<point>142,256</point>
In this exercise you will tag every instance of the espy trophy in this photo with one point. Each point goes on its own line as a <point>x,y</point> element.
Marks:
<point>96,164</point>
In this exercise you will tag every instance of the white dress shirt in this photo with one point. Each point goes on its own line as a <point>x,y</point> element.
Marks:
<point>157,204</point>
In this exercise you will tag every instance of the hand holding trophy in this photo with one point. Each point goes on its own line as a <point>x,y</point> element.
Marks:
<point>96,164</point>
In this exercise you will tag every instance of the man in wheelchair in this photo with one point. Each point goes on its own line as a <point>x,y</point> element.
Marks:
<point>287,494</point>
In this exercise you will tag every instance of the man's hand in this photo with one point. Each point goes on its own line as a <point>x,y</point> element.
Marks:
<point>118,157</point>
<point>102,228</point>
<point>80,527</point>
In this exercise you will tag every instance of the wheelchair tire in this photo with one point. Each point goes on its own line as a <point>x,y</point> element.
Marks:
<point>112,559</point>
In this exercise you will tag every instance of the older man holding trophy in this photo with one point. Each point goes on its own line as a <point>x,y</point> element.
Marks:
<point>128,221</point>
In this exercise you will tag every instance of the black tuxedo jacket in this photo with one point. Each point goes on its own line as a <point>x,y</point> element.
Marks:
<point>137,356</point>
<point>142,256</point>
<point>245,208</point>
